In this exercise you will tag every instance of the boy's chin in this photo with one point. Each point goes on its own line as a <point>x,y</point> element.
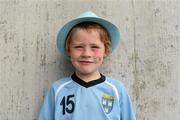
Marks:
<point>87,72</point>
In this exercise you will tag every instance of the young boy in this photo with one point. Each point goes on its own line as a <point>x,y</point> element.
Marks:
<point>87,94</point>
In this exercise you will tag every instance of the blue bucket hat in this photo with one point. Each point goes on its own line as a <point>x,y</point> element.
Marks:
<point>89,16</point>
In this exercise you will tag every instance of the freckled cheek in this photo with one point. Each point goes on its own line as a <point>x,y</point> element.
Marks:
<point>99,56</point>
<point>75,54</point>
<point>98,53</point>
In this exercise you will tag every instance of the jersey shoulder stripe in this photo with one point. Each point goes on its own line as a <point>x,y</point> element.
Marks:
<point>60,84</point>
<point>60,87</point>
<point>117,86</point>
<point>114,89</point>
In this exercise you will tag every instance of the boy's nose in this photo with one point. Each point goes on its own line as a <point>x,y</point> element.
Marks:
<point>86,52</point>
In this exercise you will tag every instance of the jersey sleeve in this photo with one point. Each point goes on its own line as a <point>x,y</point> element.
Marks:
<point>127,112</point>
<point>47,110</point>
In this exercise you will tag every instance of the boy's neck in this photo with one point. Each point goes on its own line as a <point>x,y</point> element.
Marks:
<point>88,77</point>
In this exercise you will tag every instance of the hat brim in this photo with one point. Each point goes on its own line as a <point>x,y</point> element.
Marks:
<point>111,29</point>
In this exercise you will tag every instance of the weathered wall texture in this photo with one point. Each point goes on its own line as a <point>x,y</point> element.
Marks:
<point>147,60</point>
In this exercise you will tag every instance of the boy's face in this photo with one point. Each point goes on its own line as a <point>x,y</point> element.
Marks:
<point>86,51</point>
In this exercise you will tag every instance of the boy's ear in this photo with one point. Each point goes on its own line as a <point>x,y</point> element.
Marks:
<point>105,54</point>
<point>68,52</point>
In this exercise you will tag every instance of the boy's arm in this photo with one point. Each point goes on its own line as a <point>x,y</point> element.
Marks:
<point>127,112</point>
<point>47,110</point>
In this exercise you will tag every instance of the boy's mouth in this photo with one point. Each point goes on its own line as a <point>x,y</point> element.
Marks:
<point>85,62</point>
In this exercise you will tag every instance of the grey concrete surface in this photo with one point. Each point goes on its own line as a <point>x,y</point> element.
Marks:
<point>147,60</point>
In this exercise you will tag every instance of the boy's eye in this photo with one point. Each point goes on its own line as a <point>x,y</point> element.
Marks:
<point>95,47</point>
<point>78,46</point>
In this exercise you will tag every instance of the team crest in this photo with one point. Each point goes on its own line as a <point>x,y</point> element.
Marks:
<point>107,103</point>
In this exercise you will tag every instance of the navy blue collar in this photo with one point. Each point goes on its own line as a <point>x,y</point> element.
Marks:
<point>87,84</point>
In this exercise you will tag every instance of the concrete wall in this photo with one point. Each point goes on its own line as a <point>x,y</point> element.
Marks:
<point>147,60</point>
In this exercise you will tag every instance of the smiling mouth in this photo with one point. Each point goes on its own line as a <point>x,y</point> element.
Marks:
<point>85,62</point>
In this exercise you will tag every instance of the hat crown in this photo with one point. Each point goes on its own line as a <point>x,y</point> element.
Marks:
<point>87,14</point>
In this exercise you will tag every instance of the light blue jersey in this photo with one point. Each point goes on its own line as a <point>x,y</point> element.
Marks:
<point>73,99</point>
